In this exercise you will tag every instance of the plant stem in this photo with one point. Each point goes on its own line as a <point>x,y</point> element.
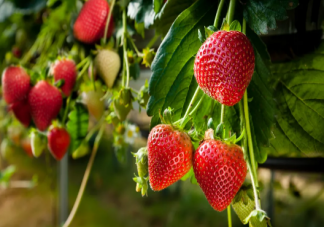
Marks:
<point>152,41</point>
<point>81,63</point>
<point>231,9</point>
<point>86,65</point>
<point>66,109</point>
<point>229,216</point>
<point>134,46</point>
<point>222,113</point>
<point>85,177</point>
<point>108,20</point>
<point>218,14</point>
<point>248,132</point>
<point>125,48</point>
<point>194,97</point>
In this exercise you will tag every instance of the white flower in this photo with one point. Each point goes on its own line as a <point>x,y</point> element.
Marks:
<point>131,132</point>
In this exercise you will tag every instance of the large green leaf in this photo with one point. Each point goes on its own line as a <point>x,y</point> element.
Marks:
<point>170,11</point>
<point>173,64</point>
<point>261,15</point>
<point>77,125</point>
<point>300,96</point>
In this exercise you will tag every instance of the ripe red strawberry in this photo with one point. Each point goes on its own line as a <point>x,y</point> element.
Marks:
<point>58,142</point>
<point>65,69</point>
<point>15,84</point>
<point>22,112</point>
<point>45,102</point>
<point>224,66</point>
<point>220,170</point>
<point>169,156</point>
<point>90,25</point>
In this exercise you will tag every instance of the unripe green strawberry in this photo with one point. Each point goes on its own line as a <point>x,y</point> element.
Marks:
<point>38,143</point>
<point>123,104</point>
<point>169,156</point>
<point>220,170</point>
<point>224,66</point>
<point>107,63</point>
<point>96,106</point>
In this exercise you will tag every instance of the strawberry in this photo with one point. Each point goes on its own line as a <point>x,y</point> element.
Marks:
<point>15,84</point>
<point>89,27</point>
<point>45,102</point>
<point>169,156</point>
<point>224,66</point>
<point>58,142</point>
<point>107,63</point>
<point>65,69</point>
<point>22,112</point>
<point>92,99</point>
<point>220,170</point>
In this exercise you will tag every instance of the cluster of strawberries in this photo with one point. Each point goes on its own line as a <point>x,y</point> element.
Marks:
<point>223,68</point>
<point>42,102</point>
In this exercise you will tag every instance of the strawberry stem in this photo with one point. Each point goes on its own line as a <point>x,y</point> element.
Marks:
<point>139,54</point>
<point>85,177</point>
<point>67,107</point>
<point>108,20</point>
<point>183,121</point>
<point>229,216</point>
<point>245,117</point>
<point>218,14</point>
<point>125,48</point>
<point>152,41</point>
<point>231,9</point>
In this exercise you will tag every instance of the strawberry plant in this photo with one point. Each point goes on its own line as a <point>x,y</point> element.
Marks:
<point>218,106</point>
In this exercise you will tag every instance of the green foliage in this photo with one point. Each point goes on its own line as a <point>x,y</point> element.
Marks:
<point>173,64</point>
<point>6,174</point>
<point>299,94</point>
<point>170,11</point>
<point>261,15</point>
<point>77,125</point>
<point>178,83</point>
<point>235,26</point>
<point>141,11</point>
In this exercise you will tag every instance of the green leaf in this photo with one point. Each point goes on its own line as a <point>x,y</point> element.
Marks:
<point>261,15</point>
<point>157,5</point>
<point>142,11</point>
<point>299,92</point>
<point>6,174</point>
<point>172,79</point>
<point>209,31</point>
<point>77,125</point>
<point>140,29</point>
<point>170,11</point>
<point>134,70</point>
<point>262,107</point>
<point>235,26</point>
